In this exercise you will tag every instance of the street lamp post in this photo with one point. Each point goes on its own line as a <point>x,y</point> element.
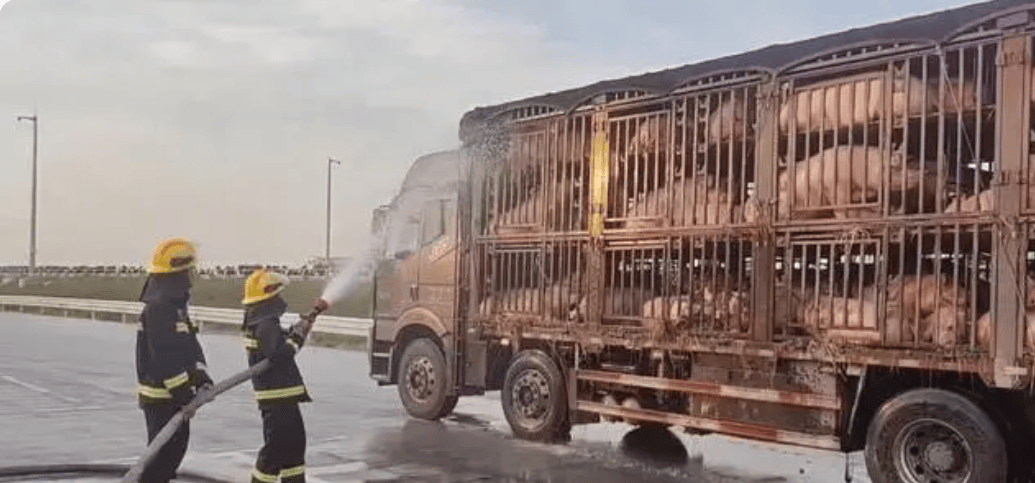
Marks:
<point>327,252</point>
<point>32,218</point>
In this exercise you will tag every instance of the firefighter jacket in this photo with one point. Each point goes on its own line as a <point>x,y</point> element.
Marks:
<point>170,362</point>
<point>264,338</point>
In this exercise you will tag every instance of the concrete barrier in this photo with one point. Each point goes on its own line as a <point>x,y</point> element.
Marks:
<point>328,331</point>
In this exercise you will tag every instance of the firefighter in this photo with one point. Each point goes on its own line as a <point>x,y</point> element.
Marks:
<point>279,389</point>
<point>169,360</point>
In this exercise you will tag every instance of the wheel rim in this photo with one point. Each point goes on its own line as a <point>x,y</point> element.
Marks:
<point>420,379</point>
<point>930,451</point>
<point>531,399</point>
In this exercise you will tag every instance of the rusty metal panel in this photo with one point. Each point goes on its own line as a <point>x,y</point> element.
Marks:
<point>758,211</point>
<point>1015,66</point>
<point>789,398</point>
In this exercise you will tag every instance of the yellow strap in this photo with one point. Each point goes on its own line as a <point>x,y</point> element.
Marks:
<point>264,477</point>
<point>177,380</point>
<point>251,343</point>
<point>183,327</point>
<point>599,169</point>
<point>153,392</point>
<point>293,344</point>
<point>279,393</point>
<point>296,471</point>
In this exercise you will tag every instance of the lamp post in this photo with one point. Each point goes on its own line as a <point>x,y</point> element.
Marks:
<point>327,253</point>
<point>32,218</point>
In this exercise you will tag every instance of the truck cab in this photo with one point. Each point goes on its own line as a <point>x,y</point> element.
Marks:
<point>415,286</point>
<point>822,244</point>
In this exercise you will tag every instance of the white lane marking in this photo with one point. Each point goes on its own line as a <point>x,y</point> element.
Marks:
<point>38,389</point>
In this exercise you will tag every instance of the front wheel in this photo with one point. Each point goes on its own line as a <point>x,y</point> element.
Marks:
<point>422,381</point>
<point>534,398</point>
<point>933,435</point>
<point>449,406</point>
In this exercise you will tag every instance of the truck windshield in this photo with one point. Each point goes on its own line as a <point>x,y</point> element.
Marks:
<point>400,232</point>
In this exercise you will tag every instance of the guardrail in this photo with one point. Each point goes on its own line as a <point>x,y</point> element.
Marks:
<point>128,312</point>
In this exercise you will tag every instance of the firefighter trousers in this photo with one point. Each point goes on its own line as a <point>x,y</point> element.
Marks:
<point>283,452</point>
<point>163,467</point>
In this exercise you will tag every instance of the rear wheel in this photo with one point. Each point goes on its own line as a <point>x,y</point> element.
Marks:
<point>422,381</point>
<point>534,398</point>
<point>934,436</point>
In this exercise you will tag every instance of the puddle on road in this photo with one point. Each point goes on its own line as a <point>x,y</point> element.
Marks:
<point>686,456</point>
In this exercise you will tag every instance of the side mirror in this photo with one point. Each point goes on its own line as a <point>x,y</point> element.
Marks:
<point>402,255</point>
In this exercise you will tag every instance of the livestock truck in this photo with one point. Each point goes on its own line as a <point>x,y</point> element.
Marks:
<point>826,243</point>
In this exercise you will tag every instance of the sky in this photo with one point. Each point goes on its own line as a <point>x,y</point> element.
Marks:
<point>214,120</point>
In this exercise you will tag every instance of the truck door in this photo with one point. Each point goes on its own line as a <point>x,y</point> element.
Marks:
<point>437,275</point>
<point>395,289</point>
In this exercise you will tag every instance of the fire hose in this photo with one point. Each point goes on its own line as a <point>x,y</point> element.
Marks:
<point>79,470</point>
<point>204,397</point>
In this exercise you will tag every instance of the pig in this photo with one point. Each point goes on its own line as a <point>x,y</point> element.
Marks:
<point>984,324</point>
<point>651,136</point>
<point>842,176</point>
<point>826,312</point>
<point>727,308</point>
<point>695,203</point>
<point>1029,288</point>
<point>661,314</point>
<point>561,301</point>
<point>544,205</point>
<point>913,303</point>
<point>944,327</point>
<point>933,304</point>
<point>625,301</point>
<point>984,331</point>
<point>983,201</point>
<point>618,301</point>
<point>958,96</point>
<point>727,121</point>
<point>672,308</point>
<point>853,100</point>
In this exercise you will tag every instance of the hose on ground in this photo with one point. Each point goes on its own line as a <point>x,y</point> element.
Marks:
<point>68,471</point>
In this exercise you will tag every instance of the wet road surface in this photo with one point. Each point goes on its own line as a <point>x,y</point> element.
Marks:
<point>66,396</point>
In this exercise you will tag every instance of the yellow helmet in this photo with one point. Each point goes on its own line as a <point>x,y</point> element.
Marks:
<point>262,285</point>
<point>172,255</point>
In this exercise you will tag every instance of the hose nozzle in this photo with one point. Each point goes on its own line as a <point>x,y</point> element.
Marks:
<point>320,305</point>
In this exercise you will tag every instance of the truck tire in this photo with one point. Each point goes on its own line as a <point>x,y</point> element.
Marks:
<point>933,435</point>
<point>534,398</point>
<point>422,381</point>
<point>449,406</point>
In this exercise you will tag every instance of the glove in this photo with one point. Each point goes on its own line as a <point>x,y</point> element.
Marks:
<point>202,381</point>
<point>297,335</point>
